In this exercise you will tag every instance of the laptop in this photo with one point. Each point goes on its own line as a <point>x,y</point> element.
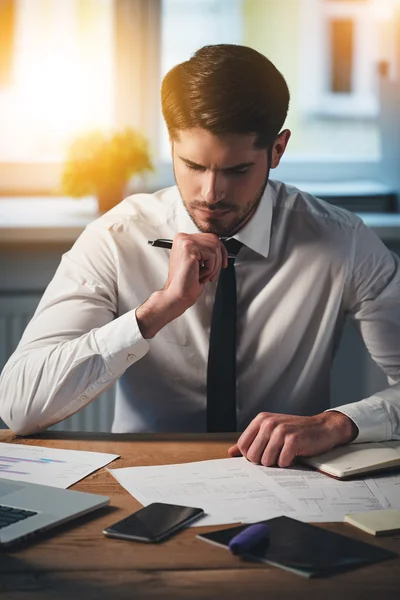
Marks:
<point>27,508</point>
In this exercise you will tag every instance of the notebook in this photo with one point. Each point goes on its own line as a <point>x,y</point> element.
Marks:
<point>304,549</point>
<point>376,522</point>
<point>27,508</point>
<point>356,459</point>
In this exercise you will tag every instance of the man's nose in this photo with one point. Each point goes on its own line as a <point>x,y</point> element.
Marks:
<point>214,189</point>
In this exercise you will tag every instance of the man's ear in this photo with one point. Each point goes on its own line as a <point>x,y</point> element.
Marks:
<point>279,147</point>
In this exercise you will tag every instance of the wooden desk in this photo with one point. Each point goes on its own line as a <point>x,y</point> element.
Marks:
<point>77,561</point>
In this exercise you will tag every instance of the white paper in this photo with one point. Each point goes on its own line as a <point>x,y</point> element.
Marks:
<point>234,490</point>
<point>228,490</point>
<point>49,466</point>
<point>389,486</point>
<point>324,498</point>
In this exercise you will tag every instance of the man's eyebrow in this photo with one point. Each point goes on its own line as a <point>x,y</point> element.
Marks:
<point>245,165</point>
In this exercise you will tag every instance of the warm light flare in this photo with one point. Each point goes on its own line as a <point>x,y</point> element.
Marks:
<point>383,10</point>
<point>62,77</point>
<point>57,102</point>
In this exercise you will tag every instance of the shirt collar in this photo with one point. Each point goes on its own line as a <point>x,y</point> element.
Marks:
<point>256,234</point>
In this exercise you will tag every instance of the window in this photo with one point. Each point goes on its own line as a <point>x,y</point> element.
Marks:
<point>186,27</point>
<point>343,34</point>
<point>59,78</point>
<point>328,53</point>
<point>72,65</point>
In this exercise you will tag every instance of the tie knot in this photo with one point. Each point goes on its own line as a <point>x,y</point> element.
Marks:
<point>233,246</point>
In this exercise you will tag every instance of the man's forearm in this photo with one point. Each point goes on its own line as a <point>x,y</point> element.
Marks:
<point>377,417</point>
<point>41,385</point>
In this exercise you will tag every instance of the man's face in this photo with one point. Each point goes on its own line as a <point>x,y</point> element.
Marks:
<point>221,178</point>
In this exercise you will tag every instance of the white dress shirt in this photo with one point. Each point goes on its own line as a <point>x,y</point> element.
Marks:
<point>304,267</point>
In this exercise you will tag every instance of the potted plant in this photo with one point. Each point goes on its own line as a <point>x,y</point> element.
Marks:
<point>101,165</point>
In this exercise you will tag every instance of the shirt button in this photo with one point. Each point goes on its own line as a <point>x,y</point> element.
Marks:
<point>131,357</point>
<point>82,398</point>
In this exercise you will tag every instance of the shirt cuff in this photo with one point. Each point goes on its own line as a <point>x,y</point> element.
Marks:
<point>370,418</point>
<point>121,343</point>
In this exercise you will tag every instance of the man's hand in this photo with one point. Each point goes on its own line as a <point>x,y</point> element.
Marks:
<point>274,439</point>
<point>194,261</point>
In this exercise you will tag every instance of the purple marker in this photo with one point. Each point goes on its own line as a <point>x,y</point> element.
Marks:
<point>249,537</point>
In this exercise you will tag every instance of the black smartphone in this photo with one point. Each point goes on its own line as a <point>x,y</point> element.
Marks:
<point>154,522</point>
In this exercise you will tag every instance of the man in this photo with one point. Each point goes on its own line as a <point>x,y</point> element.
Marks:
<point>119,308</point>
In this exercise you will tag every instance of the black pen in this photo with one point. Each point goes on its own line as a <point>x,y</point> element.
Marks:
<point>164,243</point>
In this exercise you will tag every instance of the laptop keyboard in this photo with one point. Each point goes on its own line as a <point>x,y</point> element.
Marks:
<point>10,515</point>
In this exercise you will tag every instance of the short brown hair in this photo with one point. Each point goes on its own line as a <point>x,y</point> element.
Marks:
<point>226,88</point>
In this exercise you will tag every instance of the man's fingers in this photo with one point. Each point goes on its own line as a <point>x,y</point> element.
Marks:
<point>286,458</point>
<point>206,267</point>
<point>195,260</point>
<point>224,256</point>
<point>272,451</point>
<point>234,451</point>
<point>257,448</point>
<point>217,264</point>
<point>247,437</point>
<point>289,452</point>
<point>210,263</point>
<point>268,442</point>
<point>206,248</point>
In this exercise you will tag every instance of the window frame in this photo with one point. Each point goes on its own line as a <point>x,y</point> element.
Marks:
<point>316,99</point>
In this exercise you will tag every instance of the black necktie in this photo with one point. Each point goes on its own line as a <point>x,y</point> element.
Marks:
<point>221,370</point>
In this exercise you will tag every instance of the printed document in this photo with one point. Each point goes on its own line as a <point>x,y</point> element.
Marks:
<point>49,466</point>
<point>324,498</point>
<point>232,490</point>
<point>389,486</point>
<point>229,490</point>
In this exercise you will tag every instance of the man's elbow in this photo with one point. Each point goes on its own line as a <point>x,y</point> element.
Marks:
<point>19,406</point>
<point>21,424</point>
<point>17,416</point>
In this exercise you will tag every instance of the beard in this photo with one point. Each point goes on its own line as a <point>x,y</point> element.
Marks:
<point>243,212</point>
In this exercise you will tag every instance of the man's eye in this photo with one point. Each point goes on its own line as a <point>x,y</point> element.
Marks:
<point>195,167</point>
<point>239,171</point>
